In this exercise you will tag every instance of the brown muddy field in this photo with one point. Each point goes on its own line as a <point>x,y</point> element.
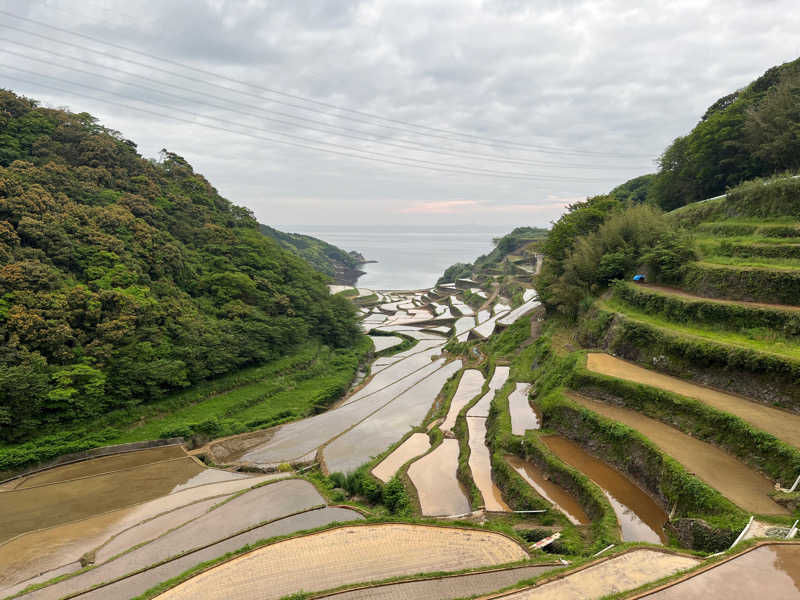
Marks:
<point>769,572</point>
<point>417,444</point>
<point>722,471</point>
<point>621,573</point>
<point>348,555</point>
<point>470,386</point>
<point>640,518</point>
<point>783,425</point>
<point>480,465</point>
<point>523,415</point>
<point>95,466</point>
<point>434,477</point>
<point>55,503</point>
<point>560,498</point>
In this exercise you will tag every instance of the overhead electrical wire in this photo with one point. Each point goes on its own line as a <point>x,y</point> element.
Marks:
<point>348,152</point>
<point>330,129</point>
<point>469,138</point>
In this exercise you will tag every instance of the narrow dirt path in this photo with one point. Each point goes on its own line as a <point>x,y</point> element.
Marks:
<point>782,424</point>
<point>663,289</point>
<point>732,478</point>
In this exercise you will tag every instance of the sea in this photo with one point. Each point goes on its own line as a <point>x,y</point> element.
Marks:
<point>408,257</point>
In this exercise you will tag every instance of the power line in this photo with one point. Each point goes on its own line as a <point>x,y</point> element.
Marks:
<point>476,139</point>
<point>415,146</point>
<point>474,170</point>
<point>447,169</point>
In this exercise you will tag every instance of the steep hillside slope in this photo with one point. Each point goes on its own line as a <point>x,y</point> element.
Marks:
<point>123,278</point>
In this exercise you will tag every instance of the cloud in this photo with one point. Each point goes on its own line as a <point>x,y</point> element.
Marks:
<point>593,90</point>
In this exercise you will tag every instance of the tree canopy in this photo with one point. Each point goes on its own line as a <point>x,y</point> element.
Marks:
<point>122,278</point>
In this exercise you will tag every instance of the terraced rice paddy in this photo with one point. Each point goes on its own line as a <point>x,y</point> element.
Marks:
<point>523,416</point>
<point>347,555</point>
<point>640,518</point>
<point>298,439</point>
<point>519,312</point>
<point>485,329</point>
<point>380,430</point>
<point>239,513</point>
<point>560,498</point>
<point>735,480</point>
<point>52,504</point>
<point>615,575</point>
<point>783,425</point>
<point>771,571</point>
<point>434,478</point>
<point>416,445</point>
<point>384,342</point>
<point>481,407</point>
<point>470,386</point>
<point>480,465</point>
<point>445,588</point>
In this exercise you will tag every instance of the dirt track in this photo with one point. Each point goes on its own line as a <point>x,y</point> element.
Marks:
<point>783,425</point>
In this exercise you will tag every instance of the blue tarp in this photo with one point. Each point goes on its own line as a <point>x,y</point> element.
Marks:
<point>638,278</point>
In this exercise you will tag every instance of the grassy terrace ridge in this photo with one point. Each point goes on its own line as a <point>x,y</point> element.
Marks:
<point>766,343</point>
<point>759,262</point>
<point>774,285</point>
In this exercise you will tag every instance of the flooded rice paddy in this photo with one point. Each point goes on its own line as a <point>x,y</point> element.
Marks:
<point>560,498</point>
<point>376,433</point>
<point>640,518</point>
<point>480,465</point>
<point>523,415</point>
<point>519,312</point>
<point>783,425</point>
<point>383,342</point>
<point>481,407</point>
<point>27,509</point>
<point>138,583</point>
<point>241,512</point>
<point>722,471</point>
<point>470,386</point>
<point>446,588</point>
<point>416,445</point>
<point>348,555</point>
<point>771,571</point>
<point>434,477</point>
<point>618,574</point>
<point>96,466</point>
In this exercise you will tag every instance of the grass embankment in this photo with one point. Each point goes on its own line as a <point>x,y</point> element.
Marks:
<point>289,388</point>
<point>742,368</point>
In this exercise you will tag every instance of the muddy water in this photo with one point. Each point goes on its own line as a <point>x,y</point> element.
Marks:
<point>781,424</point>
<point>481,407</point>
<point>380,430</point>
<point>481,466</point>
<point>523,416</point>
<point>735,480</point>
<point>104,464</point>
<point>470,386</point>
<point>246,510</point>
<point>434,477</point>
<point>640,518</point>
<point>771,571</point>
<point>301,437</point>
<point>47,505</point>
<point>417,444</point>
<point>42,550</point>
<point>560,498</point>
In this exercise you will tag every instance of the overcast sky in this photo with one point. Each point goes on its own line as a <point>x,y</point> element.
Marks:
<point>494,112</point>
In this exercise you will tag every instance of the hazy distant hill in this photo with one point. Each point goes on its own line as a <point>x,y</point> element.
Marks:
<point>326,258</point>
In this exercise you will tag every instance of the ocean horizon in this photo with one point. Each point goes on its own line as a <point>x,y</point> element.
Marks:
<point>408,256</point>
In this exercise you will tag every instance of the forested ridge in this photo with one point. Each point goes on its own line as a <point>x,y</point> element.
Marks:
<point>123,278</point>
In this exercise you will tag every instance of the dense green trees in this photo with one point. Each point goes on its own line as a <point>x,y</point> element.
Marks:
<point>123,278</point>
<point>751,133</point>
